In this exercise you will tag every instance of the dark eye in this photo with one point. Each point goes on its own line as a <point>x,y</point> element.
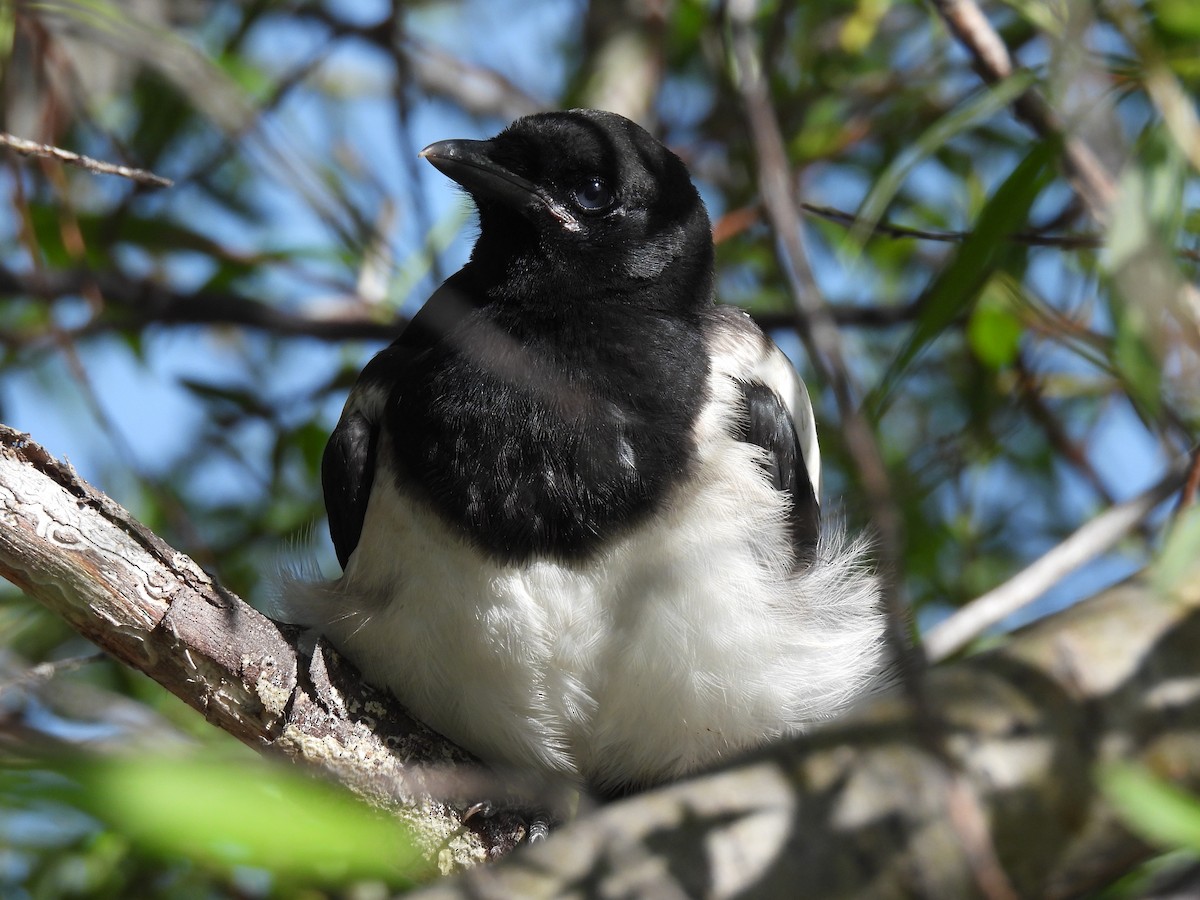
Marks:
<point>593,193</point>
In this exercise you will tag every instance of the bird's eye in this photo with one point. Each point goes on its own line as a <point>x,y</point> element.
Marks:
<point>592,194</point>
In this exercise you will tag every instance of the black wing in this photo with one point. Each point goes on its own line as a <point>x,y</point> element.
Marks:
<point>769,425</point>
<point>348,465</point>
<point>347,471</point>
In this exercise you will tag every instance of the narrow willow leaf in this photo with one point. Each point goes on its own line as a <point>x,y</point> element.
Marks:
<point>1136,361</point>
<point>859,28</point>
<point>230,814</point>
<point>1178,566</point>
<point>1178,17</point>
<point>1154,808</point>
<point>964,116</point>
<point>959,283</point>
<point>994,329</point>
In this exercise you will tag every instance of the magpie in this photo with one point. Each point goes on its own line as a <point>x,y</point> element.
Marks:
<point>576,502</point>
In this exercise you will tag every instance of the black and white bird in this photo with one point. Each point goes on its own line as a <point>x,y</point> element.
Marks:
<point>576,503</point>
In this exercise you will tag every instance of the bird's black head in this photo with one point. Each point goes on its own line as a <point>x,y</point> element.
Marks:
<point>584,196</point>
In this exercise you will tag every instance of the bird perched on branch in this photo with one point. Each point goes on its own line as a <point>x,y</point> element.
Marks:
<point>577,503</point>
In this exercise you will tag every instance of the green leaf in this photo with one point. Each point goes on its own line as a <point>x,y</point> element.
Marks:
<point>8,29</point>
<point>1179,17</point>
<point>858,30</point>
<point>253,81</point>
<point>232,814</point>
<point>826,121</point>
<point>959,283</point>
<point>1156,809</point>
<point>1136,361</point>
<point>994,329</point>
<point>1179,561</point>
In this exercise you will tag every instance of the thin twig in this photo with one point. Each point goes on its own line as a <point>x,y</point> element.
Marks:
<point>47,151</point>
<point>844,314</point>
<point>993,62</point>
<point>1030,390</point>
<point>739,220</point>
<point>1029,238</point>
<point>1084,545</point>
<point>402,101</point>
<point>478,90</point>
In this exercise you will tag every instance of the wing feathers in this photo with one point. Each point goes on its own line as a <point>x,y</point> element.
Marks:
<point>777,416</point>
<point>769,425</point>
<point>347,470</point>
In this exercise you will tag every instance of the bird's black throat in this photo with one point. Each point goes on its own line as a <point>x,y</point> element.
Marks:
<point>543,426</point>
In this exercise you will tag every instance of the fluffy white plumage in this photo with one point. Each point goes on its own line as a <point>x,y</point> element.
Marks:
<point>689,639</point>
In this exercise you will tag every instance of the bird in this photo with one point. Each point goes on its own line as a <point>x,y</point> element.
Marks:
<point>577,501</point>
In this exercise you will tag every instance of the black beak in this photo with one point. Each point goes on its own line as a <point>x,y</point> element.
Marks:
<point>470,164</point>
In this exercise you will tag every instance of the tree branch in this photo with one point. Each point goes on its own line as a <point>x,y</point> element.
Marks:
<point>992,61</point>
<point>144,301</point>
<point>48,151</point>
<point>859,810</point>
<point>89,561</point>
<point>1085,544</point>
<point>138,302</point>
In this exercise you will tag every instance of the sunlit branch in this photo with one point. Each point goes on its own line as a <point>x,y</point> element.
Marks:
<point>1085,544</point>
<point>47,151</point>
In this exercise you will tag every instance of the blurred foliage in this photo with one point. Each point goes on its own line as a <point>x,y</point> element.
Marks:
<point>155,826</point>
<point>187,348</point>
<point>1158,810</point>
<point>1166,817</point>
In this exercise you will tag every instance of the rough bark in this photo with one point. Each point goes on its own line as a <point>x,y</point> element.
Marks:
<point>856,810</point>
<point>86,558</point>
<point>860,810</point>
